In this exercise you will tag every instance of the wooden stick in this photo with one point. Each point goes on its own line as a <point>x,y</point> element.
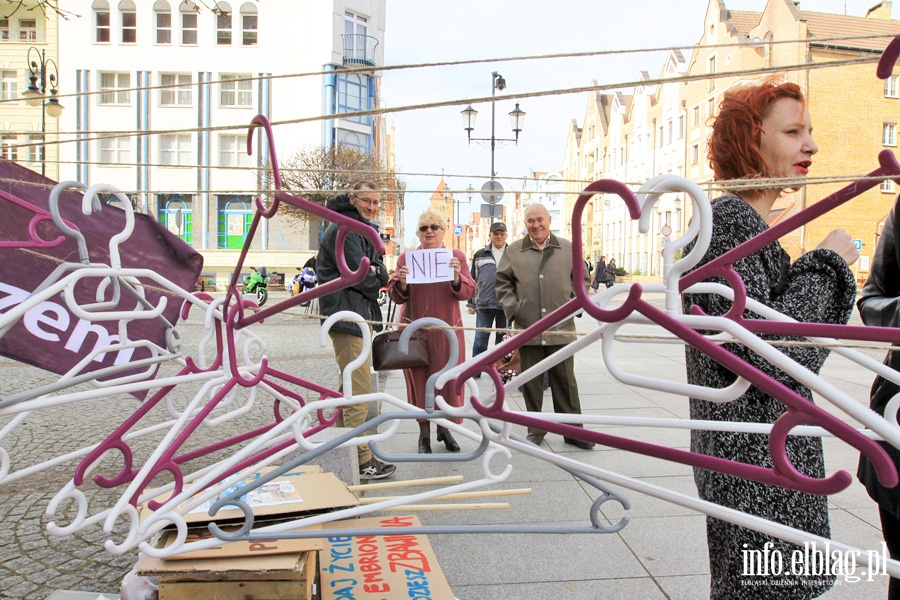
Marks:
<point>409,482</point>
<point>456,496</point>
<point>436,507</point>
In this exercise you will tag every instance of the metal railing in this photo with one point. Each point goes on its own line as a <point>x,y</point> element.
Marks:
<point>359,49</point>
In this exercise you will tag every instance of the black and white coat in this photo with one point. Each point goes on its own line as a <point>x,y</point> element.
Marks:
<point>817,288</point>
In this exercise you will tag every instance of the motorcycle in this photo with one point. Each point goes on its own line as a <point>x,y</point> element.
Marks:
<point>303,281</point>
<point>257,283</point>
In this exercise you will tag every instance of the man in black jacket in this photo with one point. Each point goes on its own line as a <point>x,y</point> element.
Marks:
<point>362,205</point>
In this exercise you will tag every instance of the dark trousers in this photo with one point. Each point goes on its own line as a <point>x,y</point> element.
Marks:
<point>890,529</point>
<point>563,387</point>
<point>485,318</point>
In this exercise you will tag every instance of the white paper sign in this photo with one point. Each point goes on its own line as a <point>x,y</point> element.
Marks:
<point>429,266</point>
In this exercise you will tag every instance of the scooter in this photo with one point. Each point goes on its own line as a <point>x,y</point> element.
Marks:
<point>257,283</point>
<point>303,281</point>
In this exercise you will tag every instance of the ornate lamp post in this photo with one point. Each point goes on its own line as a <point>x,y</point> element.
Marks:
<point>36,94</point>
<point>492,190</point>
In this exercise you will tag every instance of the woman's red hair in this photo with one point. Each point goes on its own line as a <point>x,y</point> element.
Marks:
<point>733,147</point>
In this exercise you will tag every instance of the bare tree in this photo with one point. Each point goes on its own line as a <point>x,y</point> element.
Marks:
<point>320,172</point>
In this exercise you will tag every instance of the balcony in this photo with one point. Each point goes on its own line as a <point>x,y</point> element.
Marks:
<point>359,49</point>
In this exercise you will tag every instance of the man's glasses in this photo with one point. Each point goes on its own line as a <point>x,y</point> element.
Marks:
<point>433,227</point>
<point>368,202</point>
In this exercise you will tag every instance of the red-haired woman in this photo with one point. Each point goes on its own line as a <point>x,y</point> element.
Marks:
<point>763,133</point>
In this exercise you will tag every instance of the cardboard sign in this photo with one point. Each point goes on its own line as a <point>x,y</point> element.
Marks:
<point>381,567</point>
<point>309,492</point>
<point>241,548</point>
<point>429,266</point>
<point>50,336</point>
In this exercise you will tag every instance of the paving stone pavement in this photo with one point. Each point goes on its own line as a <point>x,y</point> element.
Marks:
<point>661,554</point>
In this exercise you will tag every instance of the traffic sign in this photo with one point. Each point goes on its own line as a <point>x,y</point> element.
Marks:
<point>666,231</point>
<point>457,229</point>
<point>492,192</point>
<point>858,244</point>
<point>491,211</point>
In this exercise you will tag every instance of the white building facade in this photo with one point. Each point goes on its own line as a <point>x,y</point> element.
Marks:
<point>164,92</point>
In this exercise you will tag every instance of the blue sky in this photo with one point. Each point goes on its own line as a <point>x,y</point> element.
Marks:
<point>418,31</point>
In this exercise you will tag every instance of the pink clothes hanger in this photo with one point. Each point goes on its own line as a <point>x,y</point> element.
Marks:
<point>40,216</point>
<point>800,411</point>
<point>345,224</point>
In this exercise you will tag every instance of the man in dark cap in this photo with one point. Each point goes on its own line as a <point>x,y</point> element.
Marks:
<point>484,304</point>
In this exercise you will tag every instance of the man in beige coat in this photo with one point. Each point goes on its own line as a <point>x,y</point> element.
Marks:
<point>534,278</point>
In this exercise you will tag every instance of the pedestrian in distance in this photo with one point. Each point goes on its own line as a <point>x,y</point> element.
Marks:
<point>484,304</point>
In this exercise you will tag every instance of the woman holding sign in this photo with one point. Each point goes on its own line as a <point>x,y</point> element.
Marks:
<point>431,281</point>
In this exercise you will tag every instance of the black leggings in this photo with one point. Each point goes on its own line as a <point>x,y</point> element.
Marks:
<point>890,529</point>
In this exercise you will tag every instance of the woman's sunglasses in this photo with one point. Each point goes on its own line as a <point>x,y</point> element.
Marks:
<point>433,227</point>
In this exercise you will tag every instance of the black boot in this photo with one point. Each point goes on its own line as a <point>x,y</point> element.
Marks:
<point>443,435</point>
<point>425,437</point>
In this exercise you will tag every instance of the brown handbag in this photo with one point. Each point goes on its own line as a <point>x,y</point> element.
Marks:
<point>386,354</point>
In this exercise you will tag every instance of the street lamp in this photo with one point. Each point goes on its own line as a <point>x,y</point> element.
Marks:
<point>36,94</point>
<point>516,117</point>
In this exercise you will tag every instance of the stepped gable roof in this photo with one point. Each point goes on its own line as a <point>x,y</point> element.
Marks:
<point>830,25</point>
<point>744,20</point>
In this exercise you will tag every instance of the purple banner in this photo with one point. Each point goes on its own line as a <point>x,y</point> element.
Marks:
<point>51,336</point>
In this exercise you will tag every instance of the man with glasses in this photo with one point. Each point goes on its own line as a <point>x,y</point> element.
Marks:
<point>484,304</point>
<point>346,337</point>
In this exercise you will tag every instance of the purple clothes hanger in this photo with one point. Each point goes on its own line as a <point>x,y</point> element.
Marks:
<point>345,226</point>
<point>799,410</point>
<point>172,464</point>
<point>40,215</point>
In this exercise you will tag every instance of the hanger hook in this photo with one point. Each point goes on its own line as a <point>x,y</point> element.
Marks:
<point>451,360</point>
<point>53,205</point>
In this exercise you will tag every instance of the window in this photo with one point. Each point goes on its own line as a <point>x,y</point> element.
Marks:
<point>163,14</point>
<point>128,19</point>
<point>669,128</point>
<point>681,127</point>
<point>223,24</point>
<point>887,186</point>
<point>711,70</point>
<point>710,107</point>
<point>358,141</point>
<point>659,139</point>
<point>695,154</point>
<point>9,84</point>
<point>8,148</point>
<point>890,87</point>
<point>353,95</point>
<point>234,90</point>
<point>101,21</point>
<point>172,95</point>
<point>115,151</point>
<point>175,149</point>
<point>889,135</point>
<point>233,151</point>
<point>355,30</point>
<point>27,30</point>
<point>4,30</point>
<point>249,24</point>
<point>235,216</point>
<point>35,148</point>
<point>696,115</point>
<point>188,23</point>
<point>114,88</point>
<point>175,214</point>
